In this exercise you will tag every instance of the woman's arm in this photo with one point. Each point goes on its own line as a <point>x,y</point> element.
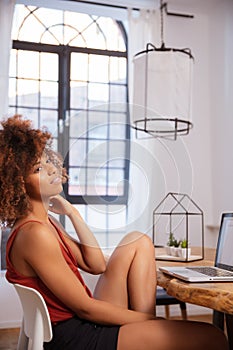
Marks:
<point>41,250</point>
<point>88,253</point>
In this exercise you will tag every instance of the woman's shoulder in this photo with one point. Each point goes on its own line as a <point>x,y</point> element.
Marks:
<point>29,228</point>
<point>25,224</point>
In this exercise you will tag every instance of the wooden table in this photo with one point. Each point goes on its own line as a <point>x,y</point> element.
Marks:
<point>217,296</point>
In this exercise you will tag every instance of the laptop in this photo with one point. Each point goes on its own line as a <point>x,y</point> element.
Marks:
<point>223,269</point>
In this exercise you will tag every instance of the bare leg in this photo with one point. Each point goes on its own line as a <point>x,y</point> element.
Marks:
<point>130,277</point>
<point>130,280</point>
<point>170,335</point>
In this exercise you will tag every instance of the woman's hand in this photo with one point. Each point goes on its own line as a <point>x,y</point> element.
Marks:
<point>60,205</point>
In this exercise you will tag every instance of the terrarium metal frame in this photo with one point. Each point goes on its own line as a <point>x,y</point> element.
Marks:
<point>178,199</point>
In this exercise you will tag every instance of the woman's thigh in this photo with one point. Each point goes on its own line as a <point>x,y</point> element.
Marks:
<point>172,335</point>
<point>112,284</point>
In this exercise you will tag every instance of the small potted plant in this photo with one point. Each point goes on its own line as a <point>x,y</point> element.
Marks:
<point>172,245</point>
<point>169,243</point>
<point>184,251</point>
<point>175,249</point>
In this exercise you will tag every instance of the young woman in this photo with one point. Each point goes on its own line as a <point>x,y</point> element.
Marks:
<point>40,254</point>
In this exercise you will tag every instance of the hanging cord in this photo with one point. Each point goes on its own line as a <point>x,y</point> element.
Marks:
<point>161,24</point>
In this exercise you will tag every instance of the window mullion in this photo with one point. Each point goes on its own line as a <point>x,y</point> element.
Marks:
<point>63,99</point>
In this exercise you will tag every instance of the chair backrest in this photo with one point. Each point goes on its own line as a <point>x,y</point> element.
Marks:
<point>36,323</point>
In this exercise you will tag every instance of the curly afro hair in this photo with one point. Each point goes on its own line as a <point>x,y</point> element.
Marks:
<point>20,148</point>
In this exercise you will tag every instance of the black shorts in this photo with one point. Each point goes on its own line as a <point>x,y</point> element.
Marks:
<point>77,334</point>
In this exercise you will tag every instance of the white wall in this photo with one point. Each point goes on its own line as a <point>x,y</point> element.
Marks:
<point>200,164</point>
<point>11,311</point>
<point>221,108</point>
<point>195,155</point>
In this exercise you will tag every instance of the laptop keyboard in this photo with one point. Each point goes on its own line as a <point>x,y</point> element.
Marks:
<point>209,271</point>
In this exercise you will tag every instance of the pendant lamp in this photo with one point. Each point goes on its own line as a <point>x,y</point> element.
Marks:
<point>162,90</point>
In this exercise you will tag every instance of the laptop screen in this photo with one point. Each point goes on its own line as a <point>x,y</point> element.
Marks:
<point>224,256</point>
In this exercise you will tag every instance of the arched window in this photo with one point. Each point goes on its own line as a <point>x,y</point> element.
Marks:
<point>68,72</point>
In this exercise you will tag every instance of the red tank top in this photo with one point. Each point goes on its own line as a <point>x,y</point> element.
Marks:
<point>58,311</point>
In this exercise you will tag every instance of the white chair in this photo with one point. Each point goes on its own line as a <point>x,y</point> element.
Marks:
<point>36,325</point>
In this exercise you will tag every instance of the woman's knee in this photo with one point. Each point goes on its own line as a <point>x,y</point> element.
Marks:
<point>145,245</point>
<point>216,338</point>
<point>173,335</point>
<point>203,335</point>
<point>138,238</point>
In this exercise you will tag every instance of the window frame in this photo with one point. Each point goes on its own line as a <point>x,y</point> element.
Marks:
<point>64,54</point>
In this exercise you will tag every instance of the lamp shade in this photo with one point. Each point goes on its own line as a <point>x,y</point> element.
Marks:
<point>162,92</point>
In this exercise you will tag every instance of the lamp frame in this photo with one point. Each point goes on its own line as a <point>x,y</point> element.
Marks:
<point>180,126</point>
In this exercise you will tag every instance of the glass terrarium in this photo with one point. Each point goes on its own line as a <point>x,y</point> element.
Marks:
<point>178,229</point>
